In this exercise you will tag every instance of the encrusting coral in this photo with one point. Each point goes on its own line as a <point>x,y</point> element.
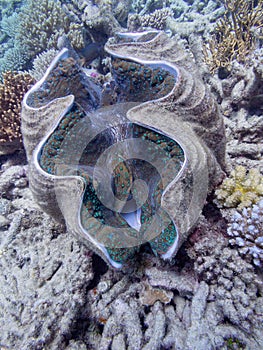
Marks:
<point>236,33</point>
<point>12,91</point>
<point>246,232</point>
<point>241,189</point>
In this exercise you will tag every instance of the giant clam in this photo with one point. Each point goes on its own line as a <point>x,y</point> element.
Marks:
<point>133,170</point>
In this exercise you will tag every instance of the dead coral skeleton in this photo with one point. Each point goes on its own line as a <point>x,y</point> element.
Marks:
<point>236,34</point>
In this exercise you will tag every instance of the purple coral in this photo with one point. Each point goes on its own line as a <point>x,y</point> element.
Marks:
<point>246,232</point>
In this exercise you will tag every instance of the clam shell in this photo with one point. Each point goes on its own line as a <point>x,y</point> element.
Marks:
<point>185,113</point>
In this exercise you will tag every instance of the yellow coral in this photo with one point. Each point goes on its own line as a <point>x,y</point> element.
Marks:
<point>241,189</point>
<point>235,34</point>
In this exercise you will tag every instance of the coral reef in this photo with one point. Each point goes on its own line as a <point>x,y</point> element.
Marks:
<point>47,287</point>
<point>241,189</point>
<point>56,294</point>
<point>246,232</point>
<point>24,36</point>
<point>8,7</point>
<point>236,34</point>
<point>14,59</point>
<point>12,91</point>
<point>9,25</point>
<point>239,95</point>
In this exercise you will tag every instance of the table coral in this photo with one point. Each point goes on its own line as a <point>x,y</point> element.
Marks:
<point>241,189</point>
<point>12,91</point>
<point>246,232</point>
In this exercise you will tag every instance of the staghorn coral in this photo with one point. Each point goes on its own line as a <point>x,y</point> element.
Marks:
<point>12,91</point>
<point>241,189</point>
<point>236,34</point>
<point>246,232</point>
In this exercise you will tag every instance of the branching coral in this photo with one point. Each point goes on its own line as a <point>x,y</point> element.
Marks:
<point>12,92</point>
<point>246,230</point>
<point>157,19</point>
<point>41,23</point>
<point>42,62</point>
<point>241,189</point>
<point>233,283</point>
<point>14,59</point>
<point>236,33</point>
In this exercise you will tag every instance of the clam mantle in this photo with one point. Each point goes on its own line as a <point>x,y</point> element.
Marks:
<point>131,162</point>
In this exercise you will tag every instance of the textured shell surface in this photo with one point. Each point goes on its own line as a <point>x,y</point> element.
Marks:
<point>130,162</point>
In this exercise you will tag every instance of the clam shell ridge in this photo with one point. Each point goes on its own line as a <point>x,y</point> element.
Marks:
<point>175,109</point>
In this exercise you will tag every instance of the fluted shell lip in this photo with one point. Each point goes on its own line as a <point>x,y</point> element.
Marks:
<point>146,36</point>
<point>192,175</point>
<point>64,53</point>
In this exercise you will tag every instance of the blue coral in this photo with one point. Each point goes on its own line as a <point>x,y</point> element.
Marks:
<point>246,232</point>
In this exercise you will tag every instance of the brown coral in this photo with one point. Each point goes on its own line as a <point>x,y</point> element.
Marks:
<point>236,33</point>
<point>14,86</point>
